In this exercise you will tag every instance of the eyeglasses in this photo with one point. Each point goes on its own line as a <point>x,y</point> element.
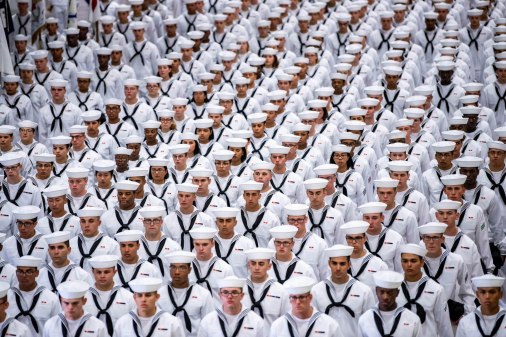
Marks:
<point>431,238</point>
<point>282,243</point>
<point>158,169</point>
<point>233,293</point>
<point>20,272</point>
<point>294,298</point>
<point>354,238</point>
<point>299,221</point>
<point>25,224</point>
<point>152,221</point>
<point>11,168</point>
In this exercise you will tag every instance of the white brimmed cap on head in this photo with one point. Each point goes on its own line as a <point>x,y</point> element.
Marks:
<point>203,233</point>
<point>26,212</point>
<point>388,279</point>
<point>231,282</point>
<point>260,254</point>
<point>488,281</point>
<point>412,248</point>
<point>355,227</point>
<point>180,256</point>
<point>73,289</point>
<point>372,207</point>
<point>129,235</point>
<point>104,261</point>
<point>298,285</point>
<point>283,232</point>
<point>338,251</point>
<point>432,228</point>
<point>145,285</point>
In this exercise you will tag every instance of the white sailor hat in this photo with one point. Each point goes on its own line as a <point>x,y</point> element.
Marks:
<point>311,50</point>
<point>164,62</point>
<point>107,19</point>
<point>226,212</point>
<point>206,76</point>
<point>39,54</point>
<point>282,76</point>
<point>472,87</point>
<point>356,112</point>
<point>317,103</point>
<point>345,58</point>
<point>20,37</point>
<point>131,82</point>
<point>388,279</point>
<point>375,90</point>
<point>258,117</point>
<point>403,122</point>
<point>271,51</point>
<point>151,124</point>
<point>296,209</point>
<point>199,88</point>
<point>231,282</point>
<point>453,135</point>
<point>90,212</point>
<point>432,228</point>
<point>301,127</point>
<point>458,120</point>
<point>353,49</point>
<point>430,15</point>
<point>445,65</point>
<point>367,102</point>
<point>73,289</point>
<point>443,147</point>
<point>180,256</point>
<point>260,254</point>
<point>223,155</point>
<point>103,261</point>
<point>186,44</point>
<point>195,35</point>
<point>386,183</point>
<point>44,157</point>
<point>396,134</point>
<point>179,101</point>
<point>289,138</point>
<point>11,79</point>
<point>338,251</point>
<point>412,248</point>
<point>469,161</point>
<point>91,115</point>
<point>146,284</point>
<point>342,17</point>
<point>26,124</point>
<point>236,142</point>
<point>113,101</point>
<point>315,184</point>
<point>298,285</point>
<point>203,233</point>
<point>470,110</point>
<point>348,136</point>
<point>153,80</point>
<point>392,70</point>
<point>83,24</point>
<point>303,16</point>
<point>414,113</point>
<point>179,149</point>
<point>122,8</point>
<point>325,169</point>
<point>251,186</point>
<point>57,237</point>
<point>341,148</point>
<point>129,235</point>
<point>283,232</point>
<point>12,158</point>
<point>126,185</point>
<point>392,53</point>
<point>447,51</point>
<point>158,162</point>
<point>77,129</point>
<point>308,115</point>
<point>277,149</point>
<point>276,95</point>
<point>133,139</point>
<point>26,66</point>
<point>51,20</point>
<point>137,25</point>
<point>488,281</point>
<point>500,131</point>
<point>200,172</point>
<point>55,191</point>
<point>417,100</point>
<point>77,172</point>
<point>189,136</point>
<point>324,92</point>
<point>174,56</point>
<point>261,165</point>
<point>447,204</point>
<point>397,148</point>
<point>496,145</point>
<point>136,172</point>
<point>372,207</point>
<point>263,23</point>
<point>84,74</point>
<point>226,96</point>
<point>227,55</point>
<point>187,188</point>
<point>386,14</point>
<point>442,5</point>
<point>400,166</point>
<point>300,60</point>
<point>355,227</point>
<point>58,83</point>
<point>122,151</point>
<point>151,212</point>
<point>7,129</point>
<point>29,261</point>
<point>453,179</point>
<point>469,99</point>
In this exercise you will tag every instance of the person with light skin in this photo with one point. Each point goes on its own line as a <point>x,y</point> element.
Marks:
<point>60,146</point>
<point>473,223</point>
<point>16,101</point>
<point>486,319</point>
<point>461,297</point>
<point>381,241</point>
<point>104,175</point>
<point>8,272</point>
<point>154,97</point>
<point>380,320</point>
<point>348,180</point>
<point>61,64</point>
<point>36,92</point>
<point>114,126</point>
<point>131,266</point>
<point>259,142</point>
<point>27,142</point>
<point>8,146</point>
<point>160,185</point>
<point>106,79</point>
<point>283,179</point>
<point>29,294</point>
<point>84,246</point>
<point>58,219</point>
<point>80,150</point>
<point>14,183</point>
<point>78,198</point>
<point>240,159</point>
<point>60,269</point>
<point>133,110</point>
<point>98,303</point>
<point>175,297</point>
<point>9,324</point>
<point>154,242</point>
<point>303,317</point>
<point>43,74</point>
<point>143,54</point>
<point>353,296</point>
<point>223,183</point>
<point>231,314</point>
<point>205,198</point>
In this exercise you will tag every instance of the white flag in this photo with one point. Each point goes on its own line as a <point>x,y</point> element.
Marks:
<point>5,56</point>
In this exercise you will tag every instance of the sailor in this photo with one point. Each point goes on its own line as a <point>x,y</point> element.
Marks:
<point>105,299</point>
<point>186,215</point>
<point>29,87</point>
<point>389,318</point>
<point>131,266</point>
<point>77,52</point>
<point>80,150</point>
<point>58,218</point>
<point>230,119</point>
<point>315,322</point>
<point>32,304</point>
<point>121,158</point>
<point>114,126</point>
<point>9,324</point>
<point>60,269</point>
<point>152,147</point>
<point>284,180</point>
<point>83,97</point>
<point>422,295</point>
<point>187,301</point>
<point>286,265</point>
<point>106,80</point>
<point>136,161</point>
<point>18,103</point>
<point>74,320</point>
<point>141,53</point>
<point>43,74</point>
<point>134,111</point>
<point>79,197</point>
<point>494,94</point>
<point>109,36</point>
<point>341,296</point>
<point>205,200</point>
<point>448,269</point>
<point>224,184</point>
<point>168,133</point>
<point>492,175</point>
<point>381,241</point>
<point>154,243</point>
<point>91,242</point>
<point>61,65</point>
<point>124,215</point>
<point>160,185</point>
<point>488,318</point>
<point>207,268</point>
<point>27,240</point>
<point>59,114</point>
<point>105,175</point>
<point>7,270</point>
